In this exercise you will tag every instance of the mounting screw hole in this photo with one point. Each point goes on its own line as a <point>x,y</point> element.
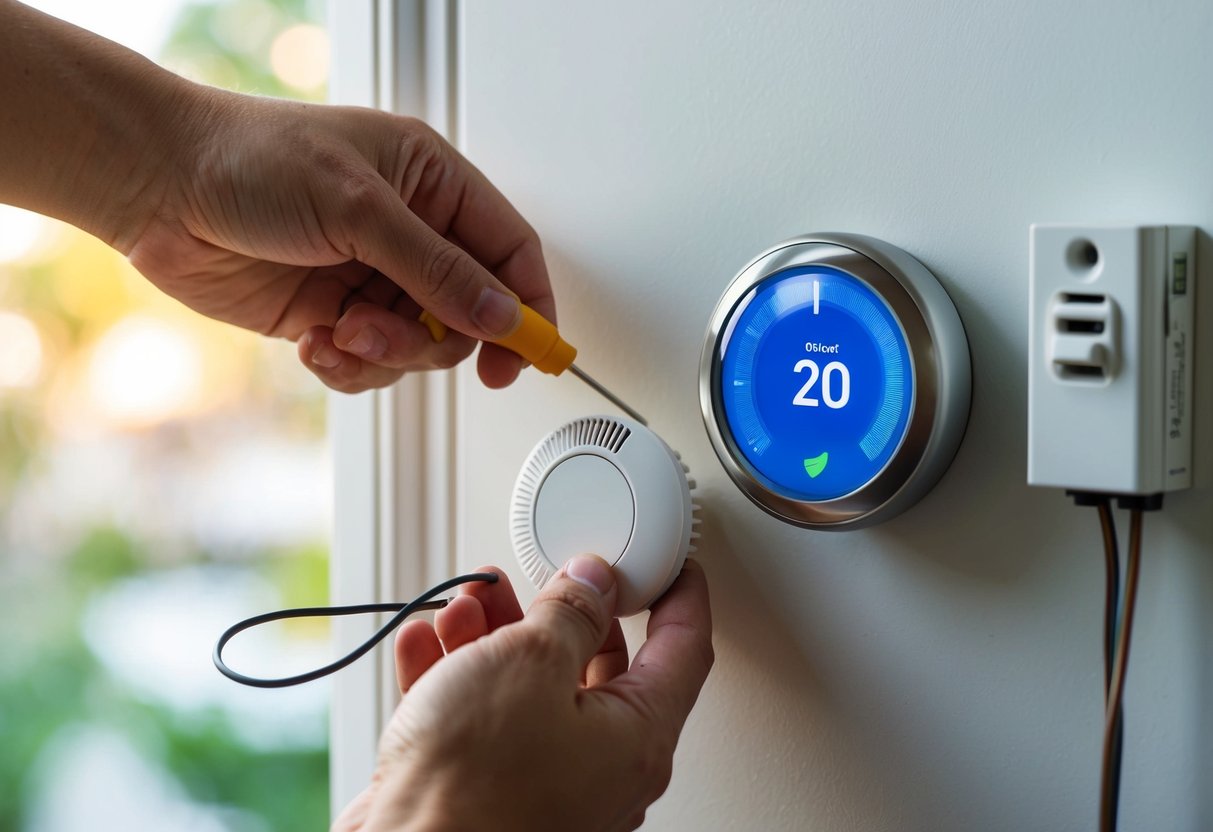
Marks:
<point>1082,257</point>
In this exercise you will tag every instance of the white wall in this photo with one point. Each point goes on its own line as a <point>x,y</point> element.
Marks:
<point>941,671</point>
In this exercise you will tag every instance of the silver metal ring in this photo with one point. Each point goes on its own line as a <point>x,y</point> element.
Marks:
<point>942,381</point>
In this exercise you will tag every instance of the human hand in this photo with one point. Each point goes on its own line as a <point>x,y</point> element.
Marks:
<point>537,722</point>
<point>332,226</point>
<point>336,226</point>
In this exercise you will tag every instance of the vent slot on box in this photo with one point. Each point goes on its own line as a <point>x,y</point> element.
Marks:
<point>1083,347</point>
<point>1081,313</point>
<point>1076,372</point>
<point>1071,325</point>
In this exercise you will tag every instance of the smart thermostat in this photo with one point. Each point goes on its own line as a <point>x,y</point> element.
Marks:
<point>835,381</point>
<point>610,487</point>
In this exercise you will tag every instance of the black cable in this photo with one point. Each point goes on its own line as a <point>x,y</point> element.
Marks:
<point>403,611</point>
<point>1109,792</point>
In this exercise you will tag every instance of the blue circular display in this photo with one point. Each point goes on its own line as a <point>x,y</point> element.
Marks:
<point>816,381</point>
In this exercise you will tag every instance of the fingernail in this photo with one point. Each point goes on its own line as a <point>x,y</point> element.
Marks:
<point>496,312</point>
<point>326,357</point>
<point>591,571</point>
<point>368,343</point>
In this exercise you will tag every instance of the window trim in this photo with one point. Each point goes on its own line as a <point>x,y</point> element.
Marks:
<point>393,450</point>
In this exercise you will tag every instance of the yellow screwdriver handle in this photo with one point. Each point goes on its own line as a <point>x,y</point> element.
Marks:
<point>436,327</point>
<point>536,339</point>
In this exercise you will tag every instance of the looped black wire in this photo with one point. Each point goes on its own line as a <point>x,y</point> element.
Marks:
<point>403,611</point>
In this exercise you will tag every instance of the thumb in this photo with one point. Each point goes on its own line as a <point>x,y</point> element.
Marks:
<point>439,275</point>
<point>576,608</point>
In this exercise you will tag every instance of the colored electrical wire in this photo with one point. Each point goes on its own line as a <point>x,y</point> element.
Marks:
<point>402,611</point>
<point>1111,550</point>
<point>1109,793</point>
<point>1107,522</point>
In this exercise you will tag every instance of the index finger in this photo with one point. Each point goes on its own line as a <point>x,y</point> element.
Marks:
<point>489,228</point>
<point>482,222</point>
<point>500,603</point>
<point>673,663</point>
<point>455,199</point>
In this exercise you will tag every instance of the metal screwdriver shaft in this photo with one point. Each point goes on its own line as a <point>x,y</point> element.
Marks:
<point>607,394</point>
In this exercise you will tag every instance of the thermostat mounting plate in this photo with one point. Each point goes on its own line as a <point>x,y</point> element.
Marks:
<point>611,487</point>
<point>835,381</point>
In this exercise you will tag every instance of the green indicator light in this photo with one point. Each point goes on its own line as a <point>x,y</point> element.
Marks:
<point>816,465</point>
<point>1179,274</point>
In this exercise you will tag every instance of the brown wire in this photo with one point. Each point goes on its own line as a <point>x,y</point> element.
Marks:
<point>1111,588</point>
<point>1107,799</point>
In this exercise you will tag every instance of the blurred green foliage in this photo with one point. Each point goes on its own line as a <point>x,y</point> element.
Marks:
<point>49,678</point>
<point>288,788</point>
<point>104,556</point>
<point>62,683</point>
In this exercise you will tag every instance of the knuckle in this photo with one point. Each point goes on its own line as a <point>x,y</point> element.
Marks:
<point>348,386</point>
<point>447,359</point>
<point>533,243</point>
<point>577,608</point>
<point>418,141</point>
<point>360,197</point>
<point>533,644</point>
<point>419,155</point>
<point>341,380</point>
<point>446,271</point>
<point>320,155</point>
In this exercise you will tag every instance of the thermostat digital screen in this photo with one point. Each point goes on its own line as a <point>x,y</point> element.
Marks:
<point>816,382</point>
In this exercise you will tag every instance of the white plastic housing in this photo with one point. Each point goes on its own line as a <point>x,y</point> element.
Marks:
<point>610,487</point>
<point>1110,358</point>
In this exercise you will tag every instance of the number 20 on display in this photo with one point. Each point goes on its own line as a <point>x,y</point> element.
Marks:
<point>834,371</point>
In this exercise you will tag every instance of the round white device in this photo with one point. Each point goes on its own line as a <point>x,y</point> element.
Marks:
<point>610,487</point>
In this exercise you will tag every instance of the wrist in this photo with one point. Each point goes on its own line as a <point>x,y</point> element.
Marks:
<point>409,800</point>
<point>147,126</point>
<point>92,131</point>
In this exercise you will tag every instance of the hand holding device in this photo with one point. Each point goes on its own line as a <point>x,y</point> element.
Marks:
<point>537,722</point>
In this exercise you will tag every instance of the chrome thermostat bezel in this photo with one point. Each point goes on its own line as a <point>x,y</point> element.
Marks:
<point>942,373</point>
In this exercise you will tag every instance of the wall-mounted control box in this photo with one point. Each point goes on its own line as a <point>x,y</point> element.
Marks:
<point>1112,319</point>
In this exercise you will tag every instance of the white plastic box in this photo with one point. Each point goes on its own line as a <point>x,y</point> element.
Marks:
<point>1110,358</point>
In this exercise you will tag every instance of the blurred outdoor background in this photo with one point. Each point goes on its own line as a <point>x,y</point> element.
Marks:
<point>161,476</point>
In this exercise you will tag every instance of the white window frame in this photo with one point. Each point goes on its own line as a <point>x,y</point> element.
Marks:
<point>392,450</point>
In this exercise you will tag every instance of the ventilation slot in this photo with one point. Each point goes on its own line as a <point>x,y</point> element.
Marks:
<point>604,433</point>
<point>1094,327</point>
<point>1078,372</point>
<point>1083,346</point>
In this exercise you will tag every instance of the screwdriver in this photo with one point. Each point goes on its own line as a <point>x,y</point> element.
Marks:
<point>537,340</point>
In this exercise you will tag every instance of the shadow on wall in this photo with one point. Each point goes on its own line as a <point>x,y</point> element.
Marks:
<point>1190,515</point>
<point>988,475</point>
<point>818,759</point>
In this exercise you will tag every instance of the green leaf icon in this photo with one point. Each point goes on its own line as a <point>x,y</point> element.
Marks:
<point>816,465</point>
